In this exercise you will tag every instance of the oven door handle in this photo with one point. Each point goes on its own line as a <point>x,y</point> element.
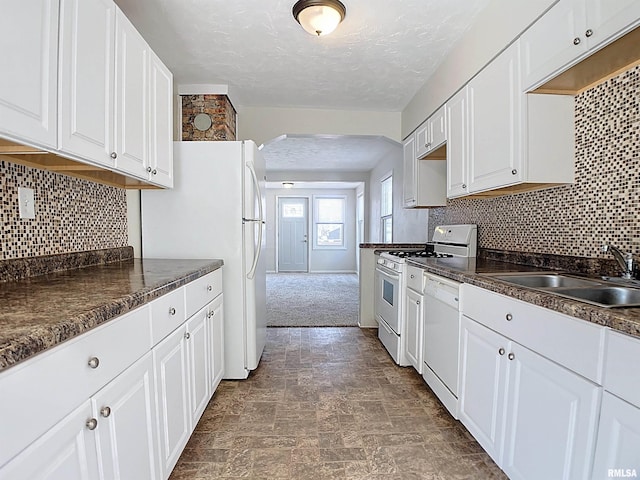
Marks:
<point>388,273</point>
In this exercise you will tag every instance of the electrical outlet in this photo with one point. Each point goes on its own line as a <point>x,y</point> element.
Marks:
<point>26,203</point>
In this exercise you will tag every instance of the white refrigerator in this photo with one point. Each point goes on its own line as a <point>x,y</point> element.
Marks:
<point>216,210</point>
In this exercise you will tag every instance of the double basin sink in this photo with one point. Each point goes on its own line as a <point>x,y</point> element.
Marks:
<point>596,292</point>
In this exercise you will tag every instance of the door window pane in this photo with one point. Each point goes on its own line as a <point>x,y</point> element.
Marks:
<point>293,210</point>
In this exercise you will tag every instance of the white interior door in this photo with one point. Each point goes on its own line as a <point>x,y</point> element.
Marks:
<point>293,251</point>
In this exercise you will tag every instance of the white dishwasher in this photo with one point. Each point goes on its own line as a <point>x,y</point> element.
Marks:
<point>441,339</point>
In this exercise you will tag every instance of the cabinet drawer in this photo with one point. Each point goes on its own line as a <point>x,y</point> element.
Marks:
<point>415,279</point>
<point>38,393</point>
<point>571,342</point>
<point>202,291</point>
<point>621,372</point>
<point>167,314</point>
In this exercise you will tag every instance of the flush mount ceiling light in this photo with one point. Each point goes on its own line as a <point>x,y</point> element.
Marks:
<point>287,184</point>
<point>319,17</point>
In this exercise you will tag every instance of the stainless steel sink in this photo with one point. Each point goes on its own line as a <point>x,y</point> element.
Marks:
<point>595,292</point>
<point>603,296</point>
<point>546,280</point>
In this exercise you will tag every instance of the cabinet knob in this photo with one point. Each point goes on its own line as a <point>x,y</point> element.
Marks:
<point>92,423</point>
<point>514,172</point>
<point>187,336</point>
<point>149,169</point>
<point>509,317</point>
<point>93,362</point>
<point>588,33</point>
<point>511,356</point>
<point>172,311</point>
<point>417,302</point>
<point>114,155</point>
<point>464,185</point>
<point>576,41</point>
<point>154,172</point>
<point>428,145</point>
<point>501,351</point>
<point>209,288</point>
<point>105,411</point>
<point>413,276</point>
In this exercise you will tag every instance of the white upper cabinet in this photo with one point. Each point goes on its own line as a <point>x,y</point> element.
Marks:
<point>500,140</point>
<point>409,171</point>
<point>432,134</point>
<point>28,82</point>
<point>160,167</point>
<point>87,32</point>
<point>571,30</point>
<point>495,123</point>
<point>132,94</point>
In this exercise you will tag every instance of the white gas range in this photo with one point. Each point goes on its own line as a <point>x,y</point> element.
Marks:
<point>447,241</point>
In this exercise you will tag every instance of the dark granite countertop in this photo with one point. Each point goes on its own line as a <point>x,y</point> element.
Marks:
<point>43,311</point>
<point>471,270</point>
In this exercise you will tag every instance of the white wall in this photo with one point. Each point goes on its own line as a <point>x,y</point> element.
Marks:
<point>495,28</point>
<point>261,124</point>
<point>409,225</point>
<point>338,260</point>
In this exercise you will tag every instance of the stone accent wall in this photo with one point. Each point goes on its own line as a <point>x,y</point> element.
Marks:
<point>218,107</point>
<point>602,206</point>
<point>72,215</point>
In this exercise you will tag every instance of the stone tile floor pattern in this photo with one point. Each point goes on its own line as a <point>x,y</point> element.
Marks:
<point>329,403</point>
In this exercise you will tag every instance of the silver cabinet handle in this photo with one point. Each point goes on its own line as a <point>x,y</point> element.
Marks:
<point>94,362</point>
<point>187,336</point>
<point>511,356</point>
<point>413,276</point>
<point>417,302</point>
<point>576,41</point>
<point>428,145</point>
<point>464,185</point>
<point>588,33</point>
<point>514,172</point>
<point>501,351</point>
<point>149,169</point>
<point>154,172</point>
<point>509,317</point>
<point>209,288</point>
<point>92,423</point>
<point>172,311</point>
<point>114,155</point>
<point>105,411</point>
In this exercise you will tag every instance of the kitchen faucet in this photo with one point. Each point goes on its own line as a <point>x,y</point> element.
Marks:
<point>625,260</point>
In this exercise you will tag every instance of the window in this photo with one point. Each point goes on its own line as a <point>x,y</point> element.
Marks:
<point>329,213</point>
<point>386,209</point>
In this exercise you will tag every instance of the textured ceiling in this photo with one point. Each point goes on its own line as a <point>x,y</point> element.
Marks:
<point>377,59</point>
<point>335,153</point>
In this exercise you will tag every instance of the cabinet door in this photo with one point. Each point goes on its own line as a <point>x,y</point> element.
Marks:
<point>457,144</point>
<point>131,111</point>
<point>198,346</point>
<point>87,32</point>
<point>423,140</point>
<point>409,172</point>
<point>413,329</point>
<point>215,319</point>
<point>495,124</point>
<point>28,82</point>
<point>482,384</point>
<point>67,451</point>
<point>551,419</point>
<point>618,438</point>
<point>610,18</point>
<point>553,42</point>
<point>170,364</point>
<point>127,432</point>
<point>161,123</point>
<point>438,128</point>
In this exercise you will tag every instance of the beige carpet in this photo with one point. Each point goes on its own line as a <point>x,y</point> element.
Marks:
<point>312,300</point>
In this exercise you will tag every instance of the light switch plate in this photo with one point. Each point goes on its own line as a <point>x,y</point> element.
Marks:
<point>26,203</point>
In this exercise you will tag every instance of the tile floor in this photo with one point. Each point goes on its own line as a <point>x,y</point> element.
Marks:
<point>329,403</point>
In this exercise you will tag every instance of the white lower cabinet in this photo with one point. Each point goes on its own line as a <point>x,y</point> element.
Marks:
<point>127,430</point>
<point>198,350</point>
<point>67,451</point>
<point>413,326</point>
<point>215,320</point>
<point>170,360</point>
<point>618,439</point>
<point>535,418</point>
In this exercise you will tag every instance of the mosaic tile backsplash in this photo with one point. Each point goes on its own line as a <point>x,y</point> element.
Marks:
<point>71,214</point>
<point>602,206</point>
